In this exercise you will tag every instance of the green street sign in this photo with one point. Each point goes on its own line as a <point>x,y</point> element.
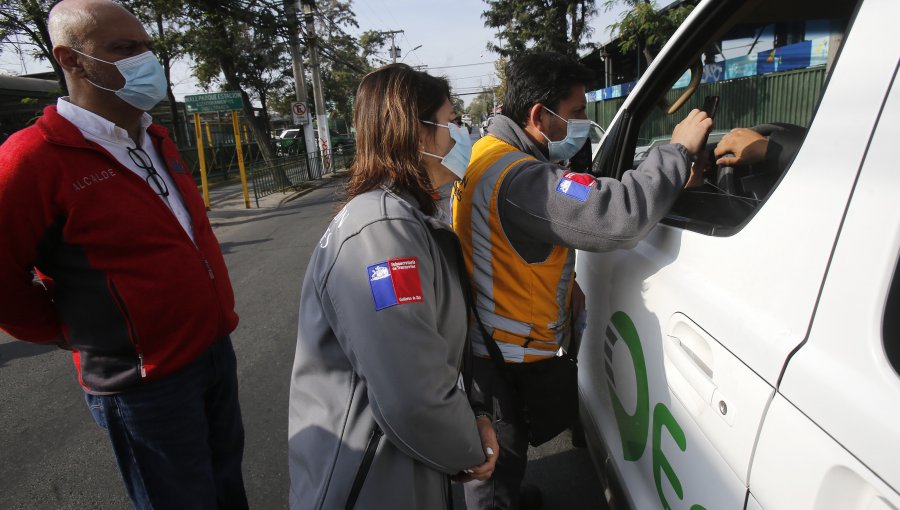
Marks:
<point>215,102</point>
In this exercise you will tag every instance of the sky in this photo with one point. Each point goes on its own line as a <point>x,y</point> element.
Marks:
<point>452,37</point>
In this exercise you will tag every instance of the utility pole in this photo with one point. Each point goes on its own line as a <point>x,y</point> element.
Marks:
<point>493,97</point>
<point>309,9</point>
<point>290,8</point>
<point>395,51</point>
<point>607,66</point>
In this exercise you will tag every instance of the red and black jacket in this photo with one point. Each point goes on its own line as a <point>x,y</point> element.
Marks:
<point>133,296</point>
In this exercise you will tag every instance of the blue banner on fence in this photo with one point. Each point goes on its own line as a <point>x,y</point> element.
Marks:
<point>713,72</point>
<point>740,67</point>
<point>793,56</point>
<point>785,58</point>
<point>818,55</point>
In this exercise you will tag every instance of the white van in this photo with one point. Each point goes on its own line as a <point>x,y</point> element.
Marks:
<point>745,354</point>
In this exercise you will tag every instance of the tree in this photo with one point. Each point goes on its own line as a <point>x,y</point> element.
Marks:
<point>500,69</point>
<point>458,105</point>
<point>482,106</point>
<point>644,27</point>
<point>343,60</point>
<point>27,19</point>
<point>261,68</point>
<point>217,39</point>
<point>543,25</point>
<point>162,18</point>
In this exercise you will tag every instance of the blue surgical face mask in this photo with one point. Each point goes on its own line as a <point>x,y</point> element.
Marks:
<point>145,80</point>
<point>577,131</point>
<point>457,160</point>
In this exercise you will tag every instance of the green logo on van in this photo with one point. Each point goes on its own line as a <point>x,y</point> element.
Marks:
<point>634,428</point>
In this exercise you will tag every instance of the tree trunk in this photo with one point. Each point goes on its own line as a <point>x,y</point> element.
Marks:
<point>177,133</point>
<point>648,55</point>
<point>260,132</point>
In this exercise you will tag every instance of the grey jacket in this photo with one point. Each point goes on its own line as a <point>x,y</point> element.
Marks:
<point>615,214</point>
<point>366,366</point>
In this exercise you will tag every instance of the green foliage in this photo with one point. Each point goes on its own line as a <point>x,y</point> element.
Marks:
<point>544,25</point>
<point>500,69</point>
<point>371,41</point>
<point>163,22</point>
<point>232,45</point>
<point>645,26</point>
<point>23,26</point>
<point>459,106</point>
<point>481,107</point>
<point>343,59</point>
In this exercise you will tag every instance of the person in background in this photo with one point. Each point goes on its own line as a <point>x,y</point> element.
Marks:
<point>95,199</point>
<point>377,418</point>
<point>520,213</point>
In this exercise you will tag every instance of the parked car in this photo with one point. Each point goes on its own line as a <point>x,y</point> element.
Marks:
<point>290,142</point>
<point>745,354</point>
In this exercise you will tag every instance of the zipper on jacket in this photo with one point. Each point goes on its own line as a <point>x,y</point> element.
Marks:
<point>209,270</point>
<point>132,334</point>
<point>364,466</point>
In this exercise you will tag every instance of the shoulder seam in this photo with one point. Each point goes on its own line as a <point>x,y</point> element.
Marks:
<point>320,288</point>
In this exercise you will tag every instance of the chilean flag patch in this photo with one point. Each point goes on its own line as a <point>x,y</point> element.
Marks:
<point>395,282</point>
<point>575,185</point>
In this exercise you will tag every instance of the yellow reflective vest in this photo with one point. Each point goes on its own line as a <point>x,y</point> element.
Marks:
<point>523,306</point>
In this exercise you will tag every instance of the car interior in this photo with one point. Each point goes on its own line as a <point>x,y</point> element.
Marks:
<point>790,49</point>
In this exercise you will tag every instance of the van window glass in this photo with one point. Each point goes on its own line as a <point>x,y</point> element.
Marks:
<point>768,67</point>
<point>891,327</point>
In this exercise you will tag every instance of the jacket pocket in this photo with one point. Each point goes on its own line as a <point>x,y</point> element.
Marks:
<point>364,466</point>
<point>132,332</point>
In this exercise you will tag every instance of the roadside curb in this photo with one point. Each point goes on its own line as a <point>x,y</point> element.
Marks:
<point>316,185</point>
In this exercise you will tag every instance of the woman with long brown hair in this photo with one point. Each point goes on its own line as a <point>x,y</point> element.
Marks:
<point>377,415</point>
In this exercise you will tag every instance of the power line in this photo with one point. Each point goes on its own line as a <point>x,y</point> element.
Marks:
<point>469,77</point>
<point>374,14</point>
<point>463,65</point>
<point>413,51</point>
<point>470,93</point>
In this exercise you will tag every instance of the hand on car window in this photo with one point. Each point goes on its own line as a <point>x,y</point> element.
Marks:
<point>692,131</point>
<point>745,147</point>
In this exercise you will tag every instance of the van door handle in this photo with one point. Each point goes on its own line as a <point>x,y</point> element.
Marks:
<point>691,354</point>
<point>691,368</point>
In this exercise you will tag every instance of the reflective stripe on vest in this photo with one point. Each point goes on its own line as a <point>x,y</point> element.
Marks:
<point>523,306</point>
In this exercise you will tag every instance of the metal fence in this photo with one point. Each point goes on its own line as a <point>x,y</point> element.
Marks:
<point>781,97</point>
<point>286,174</point>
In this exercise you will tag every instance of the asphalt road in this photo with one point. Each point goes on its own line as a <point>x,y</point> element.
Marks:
<point>53,456</point>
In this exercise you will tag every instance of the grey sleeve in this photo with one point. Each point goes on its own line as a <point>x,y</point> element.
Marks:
<point>611,214</point>
<point>398,352</point>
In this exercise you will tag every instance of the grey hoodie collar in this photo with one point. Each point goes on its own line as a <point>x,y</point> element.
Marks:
<point>505,129</point>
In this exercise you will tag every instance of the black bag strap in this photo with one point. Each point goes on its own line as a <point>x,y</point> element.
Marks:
<point>463,276</point>
<point>492,346</point>
<point>489,342</point>
<point>467,297</point>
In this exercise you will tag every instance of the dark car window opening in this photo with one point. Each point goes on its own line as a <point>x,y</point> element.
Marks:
<point>891,326</point>
<point>768,64</point>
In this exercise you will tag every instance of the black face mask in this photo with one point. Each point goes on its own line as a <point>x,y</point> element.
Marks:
<point>581,161</point>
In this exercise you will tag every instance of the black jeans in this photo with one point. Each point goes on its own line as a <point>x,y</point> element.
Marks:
<point>179,441</point>
<point>502,490</point>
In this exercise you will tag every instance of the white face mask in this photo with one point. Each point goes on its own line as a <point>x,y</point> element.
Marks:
<point>145,80</point>
<point>577,131</point>
<point>457,160</point>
